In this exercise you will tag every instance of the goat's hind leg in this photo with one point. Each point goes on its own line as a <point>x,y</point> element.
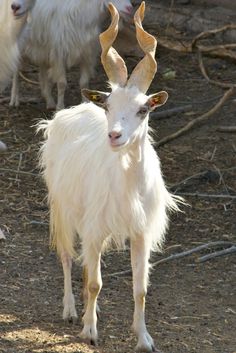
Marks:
<point>94,283</point>
<point>46,87</point>
<point>69,311</point>
<point>140,253</point>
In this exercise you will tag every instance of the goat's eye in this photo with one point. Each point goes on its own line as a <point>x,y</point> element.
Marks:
<point>143,111</point>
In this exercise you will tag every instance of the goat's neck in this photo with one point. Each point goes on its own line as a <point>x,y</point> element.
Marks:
<point>10,25</point>
<point>136,154</point>
<point>137,149</point>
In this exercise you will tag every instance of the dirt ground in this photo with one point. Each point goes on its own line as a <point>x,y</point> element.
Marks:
<point>191,307</point>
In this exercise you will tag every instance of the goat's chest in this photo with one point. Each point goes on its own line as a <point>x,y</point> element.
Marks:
<point>124,211</point>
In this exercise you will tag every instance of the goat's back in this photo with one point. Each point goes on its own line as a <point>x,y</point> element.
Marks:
<point>62,30</point>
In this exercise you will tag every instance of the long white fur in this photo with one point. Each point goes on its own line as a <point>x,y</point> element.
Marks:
<point>10,29</point>
<point>9,33</point>
<point>59,35</point>
<point>100,194</point>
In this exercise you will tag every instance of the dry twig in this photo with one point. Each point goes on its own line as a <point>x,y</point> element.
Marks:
<point>211,196</point>
<point>28,80</point>
<point>204,73</point>
<point>205,34</point>
<point>226,129</point>
<point>18,172</point>
<point>169,112</point>
<point>198,120</point>
<point>213,255</point>
<point>221,51</point>
<point>178,256</point>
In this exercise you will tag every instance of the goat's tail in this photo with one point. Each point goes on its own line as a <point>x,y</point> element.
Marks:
<point>62,235</point>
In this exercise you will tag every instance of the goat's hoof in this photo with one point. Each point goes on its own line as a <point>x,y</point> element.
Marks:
<point>71,320</point>
<point>146,349</point>
<point>89,336</point>
<point>146,345</point>
<point>14,105</point>
<point>70,315</point>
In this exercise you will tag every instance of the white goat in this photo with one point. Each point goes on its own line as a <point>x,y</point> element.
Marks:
<point>61,34</point>
<point>13,15</point>
<point>104,179</point>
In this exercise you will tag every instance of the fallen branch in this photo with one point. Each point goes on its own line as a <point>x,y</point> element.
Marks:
<point>18,172</point>
<point>224,252</point>
<point>198,120</point>
<point>177,256</point>
<point>211,196</point>
<point>204,73</point>
<point>226,129</point>
<point>22,101</point>
<point>222,51</point>
<point>169,112</point>
<point>205,34</point>
<point>28,80</point>
<point>174,187</point>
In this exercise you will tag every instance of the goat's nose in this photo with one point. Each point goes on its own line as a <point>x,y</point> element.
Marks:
<point>114,135</point>
<point>129,9</point>
<point>15,7</point>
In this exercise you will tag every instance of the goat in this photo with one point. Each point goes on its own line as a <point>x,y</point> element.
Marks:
<point>104,179</point>
<point>59,35</point>
<point>13,15</point>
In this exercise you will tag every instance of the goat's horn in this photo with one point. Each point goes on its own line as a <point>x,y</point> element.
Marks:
<point>112,62</point>
<point>144,72</point>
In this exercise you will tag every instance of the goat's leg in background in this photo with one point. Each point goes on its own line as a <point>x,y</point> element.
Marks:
<point>92,257</point>
<point>14,101</point>
<point>140,253</point>
<point>61,85</point>
<point>69,311</point>
<point>46,85</point>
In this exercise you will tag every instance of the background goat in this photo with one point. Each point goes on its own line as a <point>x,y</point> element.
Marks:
<point>13,15</point>
<point>104,179</point>
<point>60,35</point>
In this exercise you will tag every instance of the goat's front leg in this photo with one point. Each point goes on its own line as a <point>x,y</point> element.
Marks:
<point>61,86</point>
<point>14,101</point>
<point>140,253</point>
<point>46,87</point>
<point>85,291</point>
<point>69,311</point>
<point>94,284</point>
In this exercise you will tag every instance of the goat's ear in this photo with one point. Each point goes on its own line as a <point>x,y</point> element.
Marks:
<point>156,100</point>
<point>97,97</point>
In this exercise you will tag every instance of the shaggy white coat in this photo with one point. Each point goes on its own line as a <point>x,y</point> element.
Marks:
<point>59,35</point>
<point>99,194</point>
<point>11,26</point>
